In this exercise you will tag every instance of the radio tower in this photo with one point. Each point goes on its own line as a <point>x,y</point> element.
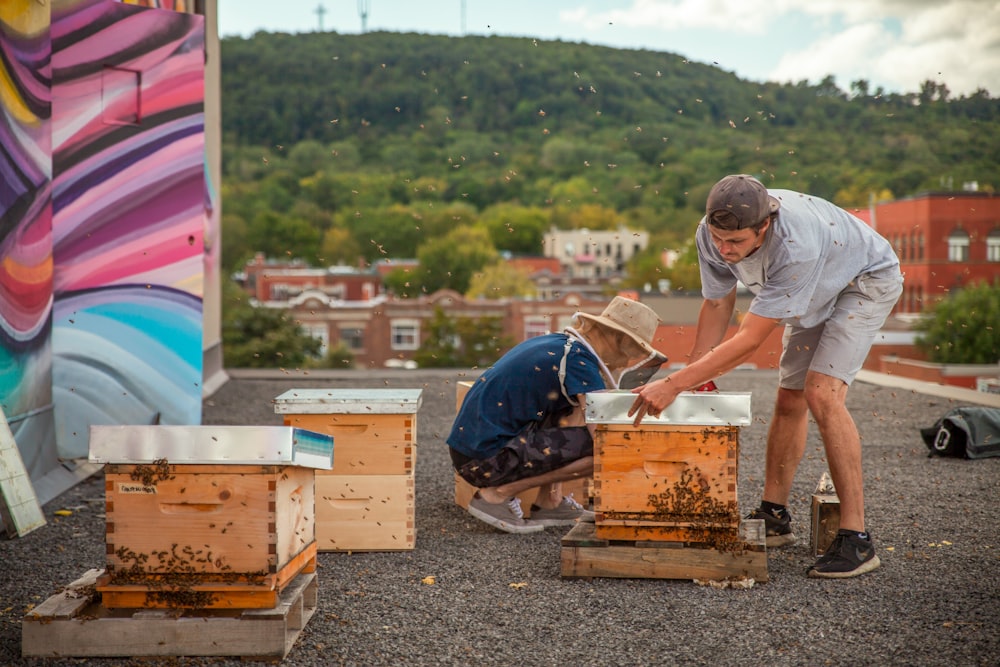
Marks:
<point>363,7</point>
<point>320,11</point>
<point>463,17</point>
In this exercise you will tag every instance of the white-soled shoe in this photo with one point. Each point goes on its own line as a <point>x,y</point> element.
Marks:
<point>567,513</point>
<point>507,516</point>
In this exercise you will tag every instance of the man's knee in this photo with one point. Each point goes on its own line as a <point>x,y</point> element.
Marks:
<point>790,402</point>
<point>823,393</point>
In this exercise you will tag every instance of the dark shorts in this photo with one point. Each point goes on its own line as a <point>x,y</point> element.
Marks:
<point>534,452</point>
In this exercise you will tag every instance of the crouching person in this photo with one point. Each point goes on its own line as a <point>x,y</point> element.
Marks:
<point>521,426</point>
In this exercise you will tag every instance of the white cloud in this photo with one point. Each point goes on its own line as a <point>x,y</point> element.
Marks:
<point>897,44</point>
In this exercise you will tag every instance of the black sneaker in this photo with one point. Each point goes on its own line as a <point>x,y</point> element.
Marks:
<point>778,530</point>
<point>848,556</point>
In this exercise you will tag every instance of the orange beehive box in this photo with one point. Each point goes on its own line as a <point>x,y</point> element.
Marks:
<point>674,477</point>
<point>190,531</point>
<point>365,502</point>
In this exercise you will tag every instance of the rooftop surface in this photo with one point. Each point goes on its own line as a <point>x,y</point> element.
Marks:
<point>499,599</point>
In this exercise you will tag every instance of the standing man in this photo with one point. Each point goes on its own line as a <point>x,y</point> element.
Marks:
<point>832,281</point>
<point>522,425</point>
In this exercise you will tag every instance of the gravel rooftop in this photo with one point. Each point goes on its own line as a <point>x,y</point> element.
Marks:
<point>499,599</point>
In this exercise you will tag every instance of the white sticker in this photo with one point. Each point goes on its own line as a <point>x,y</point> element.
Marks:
<point>136,489</point>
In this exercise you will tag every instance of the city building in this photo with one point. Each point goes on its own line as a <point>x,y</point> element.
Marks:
<point>944,240</point>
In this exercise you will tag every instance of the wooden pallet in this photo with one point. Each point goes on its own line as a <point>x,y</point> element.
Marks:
<point>73,623</point>
<point>586,555</point>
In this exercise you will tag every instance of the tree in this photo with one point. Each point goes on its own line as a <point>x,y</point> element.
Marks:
<point>501,281</point>
<point>462,342</point>
<point>339,247</point>
<point>450,261</point>
<point>254,337</point>
<point>964,328</point>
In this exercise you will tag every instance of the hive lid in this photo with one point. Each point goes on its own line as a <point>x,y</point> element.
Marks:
<point>253,445</point>
<point>690,408</point>
<point>348,401</point>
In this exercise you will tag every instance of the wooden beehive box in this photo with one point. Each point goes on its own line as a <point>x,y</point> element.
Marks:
<point>365,502</point>
<point>674,477</point>
<point>207,516</point>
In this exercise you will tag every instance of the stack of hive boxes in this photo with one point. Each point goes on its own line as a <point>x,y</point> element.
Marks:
<point>365,502</point>
<point>207,517</point>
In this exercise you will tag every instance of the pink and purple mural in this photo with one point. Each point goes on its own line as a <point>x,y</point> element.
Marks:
<point>128,191</point>
<point>26,231</point>
<point>104,210</point>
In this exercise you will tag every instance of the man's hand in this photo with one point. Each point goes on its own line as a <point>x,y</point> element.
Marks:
<point>652,399</point>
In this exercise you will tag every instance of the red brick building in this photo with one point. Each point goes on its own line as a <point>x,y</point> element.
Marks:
<point>944,241</point>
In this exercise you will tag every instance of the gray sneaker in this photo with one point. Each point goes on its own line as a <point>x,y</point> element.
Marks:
<point>567,513</point>
<point>507,516</point>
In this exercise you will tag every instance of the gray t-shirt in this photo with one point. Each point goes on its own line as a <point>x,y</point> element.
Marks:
<point>810,254</point>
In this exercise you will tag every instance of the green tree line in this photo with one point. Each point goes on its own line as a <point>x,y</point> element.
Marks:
<point>454,150</point>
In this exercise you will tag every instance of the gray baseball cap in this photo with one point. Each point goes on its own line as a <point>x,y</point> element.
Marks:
<point>739,201</point>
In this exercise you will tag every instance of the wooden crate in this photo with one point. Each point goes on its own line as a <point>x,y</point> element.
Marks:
<point>825,521</point>
<point>584,554</point>
<point>365,512</point>
<point>666,483</point>
<point>181,534</point>
<point>75,623</point>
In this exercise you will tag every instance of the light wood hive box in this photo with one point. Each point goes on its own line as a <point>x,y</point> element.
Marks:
<point>366,501</point>
<point>581,489</point>
<point>673,478</point>
<point>211,534</point>
<point>665,483</point>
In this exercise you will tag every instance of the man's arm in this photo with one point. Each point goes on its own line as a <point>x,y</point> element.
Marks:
<point>655,396</point>
<point>713,322</point>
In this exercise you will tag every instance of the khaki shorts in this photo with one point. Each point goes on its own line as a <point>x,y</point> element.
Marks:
<point>839,346</point>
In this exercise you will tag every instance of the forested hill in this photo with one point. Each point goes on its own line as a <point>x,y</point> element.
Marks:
<point>359,123</point>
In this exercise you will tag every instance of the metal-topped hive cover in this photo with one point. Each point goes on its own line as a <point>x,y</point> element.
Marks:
<point>244,445</point>
<point>349,401</point>
<point>690,408</point>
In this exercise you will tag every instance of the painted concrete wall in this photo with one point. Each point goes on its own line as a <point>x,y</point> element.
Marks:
<point>128,192</point>
<point>104,211</point>
<point>26,232</point>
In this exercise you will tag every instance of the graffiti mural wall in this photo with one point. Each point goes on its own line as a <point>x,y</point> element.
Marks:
<point>128,222</point>
<point>26,231</point>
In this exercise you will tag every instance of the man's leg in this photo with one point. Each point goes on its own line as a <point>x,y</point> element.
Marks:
<point>580,468</point>
<point>826,397</point>
<point>786,443</point>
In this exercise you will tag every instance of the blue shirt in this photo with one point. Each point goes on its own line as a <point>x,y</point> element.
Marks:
<point>522,387</point>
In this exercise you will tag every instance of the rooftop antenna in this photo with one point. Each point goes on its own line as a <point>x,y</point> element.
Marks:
<point>363,7</point>
<point>320,11</point>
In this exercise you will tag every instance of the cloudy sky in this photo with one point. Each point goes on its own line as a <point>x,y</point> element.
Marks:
<point>895,44</point>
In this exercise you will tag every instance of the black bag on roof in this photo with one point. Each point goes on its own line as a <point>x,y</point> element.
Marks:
<point>968,432</point>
